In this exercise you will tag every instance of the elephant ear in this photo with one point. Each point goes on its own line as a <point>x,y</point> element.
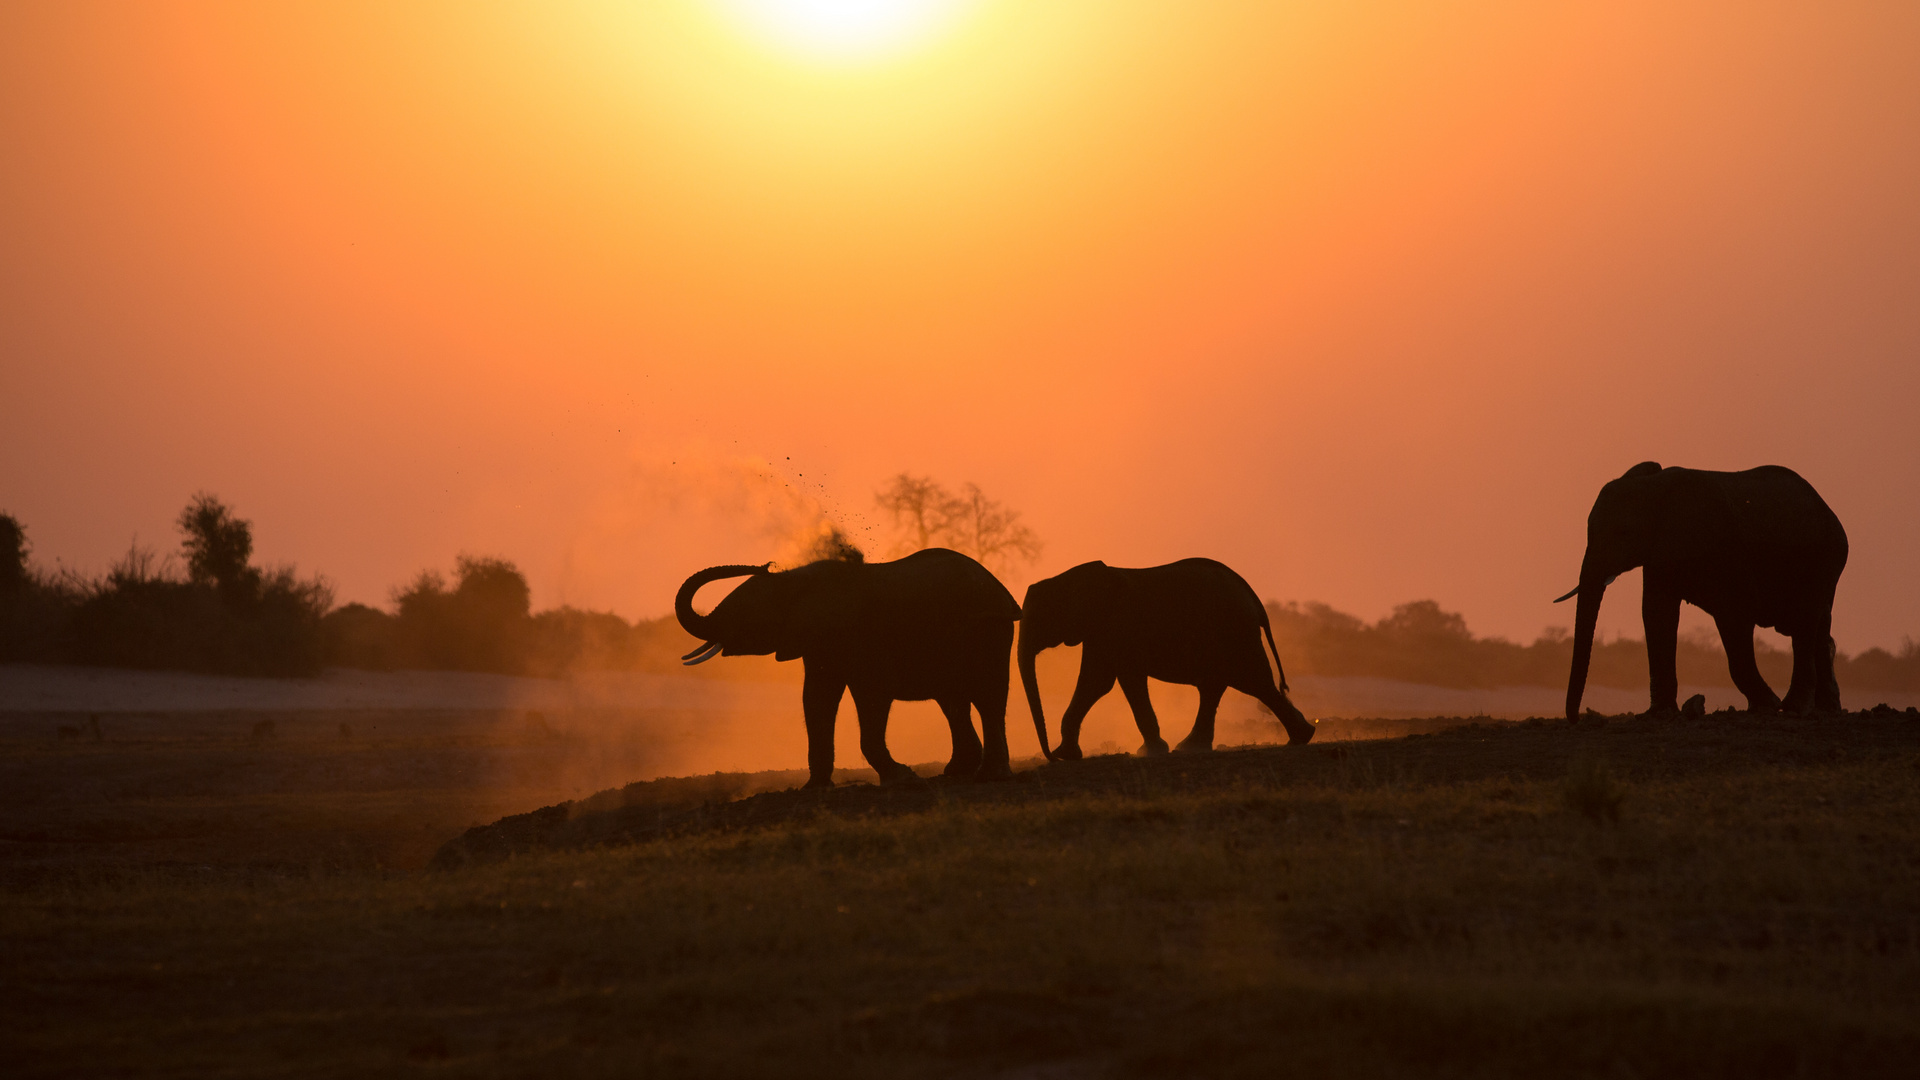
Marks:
<point>819,609</point>
<point>1093,592</point>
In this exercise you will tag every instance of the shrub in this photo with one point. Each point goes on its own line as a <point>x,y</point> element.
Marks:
<point>483,623</point>
<point>143,615</point>
<point>358,636</point>
<point>224,616</point>
<point>36,611</point>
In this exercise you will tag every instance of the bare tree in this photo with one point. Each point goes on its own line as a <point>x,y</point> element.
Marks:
<point>923,510</point>
<point>926,514</point>
<point>992,532</point>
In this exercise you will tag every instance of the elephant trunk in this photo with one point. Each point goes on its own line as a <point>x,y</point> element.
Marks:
<point>1586,617</point>
<point>1029,648</point>
<point>701,626</point>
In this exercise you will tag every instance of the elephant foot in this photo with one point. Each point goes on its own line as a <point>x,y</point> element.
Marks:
<point>999,770</point>
<point>1154,747</point>
<point>1190,746</point>
<point>900,776</point>
<point>959,770</point>
<point>1301,736</point>
<point>817,783</point>
<point>1067,752</point>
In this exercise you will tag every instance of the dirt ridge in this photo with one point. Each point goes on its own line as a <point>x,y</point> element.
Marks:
<point>1451,750</point>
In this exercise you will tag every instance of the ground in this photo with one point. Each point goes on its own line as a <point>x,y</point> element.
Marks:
<point>1729,896</point>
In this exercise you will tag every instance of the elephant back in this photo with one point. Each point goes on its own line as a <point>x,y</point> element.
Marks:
<point>1775,508</point>
<point>943,583</point>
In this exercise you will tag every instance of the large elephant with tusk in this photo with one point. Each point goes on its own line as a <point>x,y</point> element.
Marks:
<point>1194,621</point>
<point>1753,548</point>
<point>935,625</point>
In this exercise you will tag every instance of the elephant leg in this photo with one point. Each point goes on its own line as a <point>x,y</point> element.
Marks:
<point>1201,737</point>
<point>966,745</point>
<point>820,702</point>
<point>873,709</point>
<point>1736,637</point>
<point>1799,699</point>
<point>1135,687</point>
<point>1660,614</point>
<point>1095,680</point>
<point>1826,692</point>
<point>996,761</point>
<point>1299,728</point>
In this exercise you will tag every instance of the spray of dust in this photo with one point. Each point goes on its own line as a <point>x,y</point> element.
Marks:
<point>670,514</point>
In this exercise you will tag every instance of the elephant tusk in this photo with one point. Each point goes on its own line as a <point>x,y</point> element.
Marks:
<point>702,654</point>
<point>1576,589</point>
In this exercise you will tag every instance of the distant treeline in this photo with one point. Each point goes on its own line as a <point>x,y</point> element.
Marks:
<point>222,614</point>
<point>1422,643</point>
<point>483,621</point>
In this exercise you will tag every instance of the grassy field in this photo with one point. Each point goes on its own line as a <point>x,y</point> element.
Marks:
<point>1724,896</point>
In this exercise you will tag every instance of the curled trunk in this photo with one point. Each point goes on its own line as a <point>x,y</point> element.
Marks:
<point>1028,649</point>
<point>1586,617</point>
<point>701,626</point>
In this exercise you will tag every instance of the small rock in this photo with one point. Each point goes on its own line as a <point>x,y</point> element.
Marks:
<point>1695,708</point>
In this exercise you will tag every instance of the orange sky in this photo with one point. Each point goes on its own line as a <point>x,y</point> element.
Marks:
<point>1365,299</point>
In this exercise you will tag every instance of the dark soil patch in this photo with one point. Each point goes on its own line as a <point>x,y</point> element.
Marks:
<point>1456,751</point>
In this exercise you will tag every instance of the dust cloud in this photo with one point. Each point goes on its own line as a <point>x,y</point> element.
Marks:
<point>670,514</point>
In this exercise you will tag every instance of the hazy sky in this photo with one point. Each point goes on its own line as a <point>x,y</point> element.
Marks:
<point>1365,299</point>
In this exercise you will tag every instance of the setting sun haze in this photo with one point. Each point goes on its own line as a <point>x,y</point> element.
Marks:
<point>1366,300</point>
<point>845,30</point>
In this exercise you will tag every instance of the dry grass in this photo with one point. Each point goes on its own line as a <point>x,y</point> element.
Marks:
<point>1434,905</point>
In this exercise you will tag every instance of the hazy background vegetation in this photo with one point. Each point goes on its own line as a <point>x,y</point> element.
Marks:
<point>208,608</point>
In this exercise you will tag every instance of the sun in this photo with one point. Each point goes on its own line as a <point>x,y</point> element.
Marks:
<point>845,30</point>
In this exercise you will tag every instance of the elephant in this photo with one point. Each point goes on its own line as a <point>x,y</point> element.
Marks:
<point>1753,548</point>
<point>934,625</point>
<point>1194,621</point>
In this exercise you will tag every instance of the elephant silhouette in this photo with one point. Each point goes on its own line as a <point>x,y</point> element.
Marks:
<point>1194,621</point>
<point>1752,548</point>
<point>935,625</point>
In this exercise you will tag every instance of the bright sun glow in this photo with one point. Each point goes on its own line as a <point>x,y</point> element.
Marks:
<point>846,29</point>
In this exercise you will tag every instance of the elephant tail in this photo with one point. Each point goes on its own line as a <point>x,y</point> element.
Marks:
<point>1267,625</point>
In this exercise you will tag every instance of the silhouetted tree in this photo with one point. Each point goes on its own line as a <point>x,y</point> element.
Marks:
<point>922,510</point>
<point>926,514</point>
<point>991,532</point>
<point>219,547</point>
<point>36,611</point>
<point>13,555</point>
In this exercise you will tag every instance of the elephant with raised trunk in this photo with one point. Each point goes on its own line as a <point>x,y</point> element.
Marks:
<point>935,625</point>
<point>1753,548</point>
<point>1194,621</point>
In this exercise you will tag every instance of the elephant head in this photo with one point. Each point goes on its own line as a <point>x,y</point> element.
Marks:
<point>1647,516</point>
<point>788,613</point>
<point>1062,610</point>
